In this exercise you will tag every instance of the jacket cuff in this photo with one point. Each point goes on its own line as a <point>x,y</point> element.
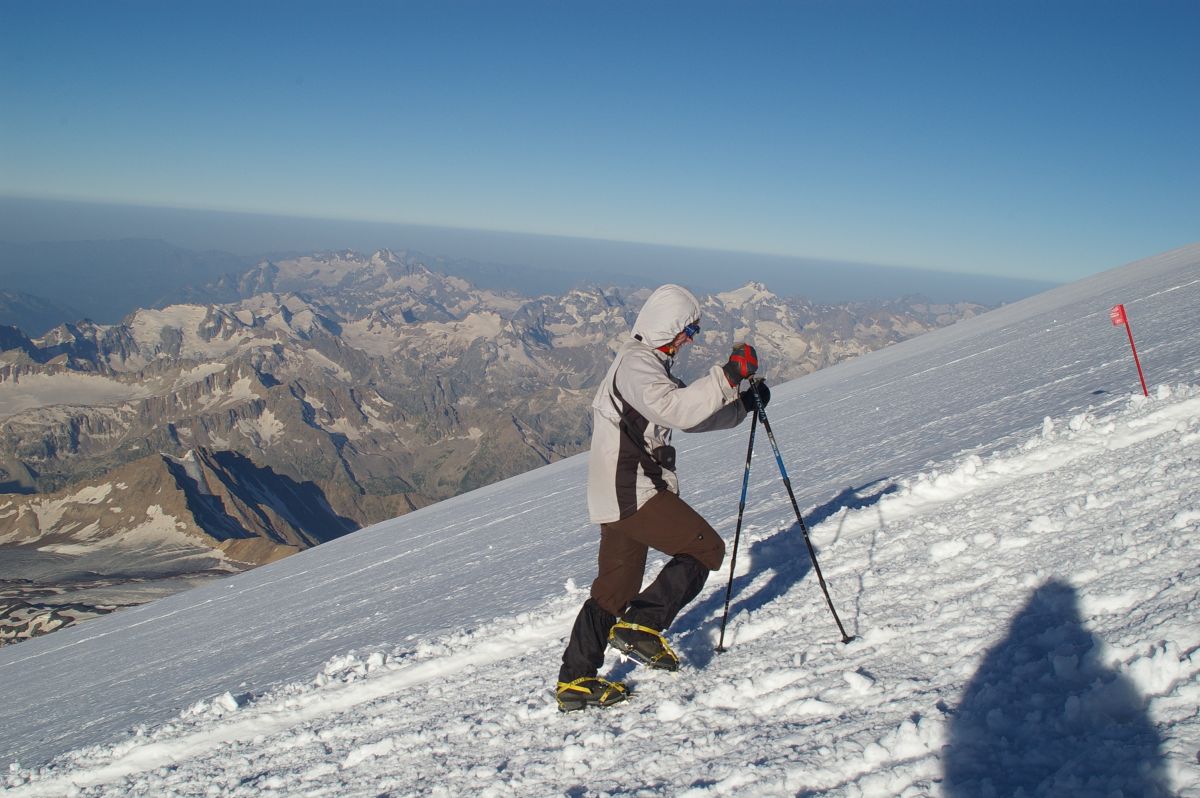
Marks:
<point>729,392</point>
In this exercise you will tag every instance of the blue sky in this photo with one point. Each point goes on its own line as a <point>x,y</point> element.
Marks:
<point>1044,140</point>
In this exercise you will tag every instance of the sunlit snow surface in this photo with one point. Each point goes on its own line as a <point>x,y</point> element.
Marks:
<point>1008,527</point>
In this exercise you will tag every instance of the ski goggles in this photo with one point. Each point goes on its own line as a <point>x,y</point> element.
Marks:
<point>692,330</point>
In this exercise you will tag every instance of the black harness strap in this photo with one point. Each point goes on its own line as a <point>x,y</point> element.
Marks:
<point>631,420</point>
<point>633,454</point>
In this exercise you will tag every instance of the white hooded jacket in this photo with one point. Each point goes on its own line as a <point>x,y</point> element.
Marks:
<point>622,471</point>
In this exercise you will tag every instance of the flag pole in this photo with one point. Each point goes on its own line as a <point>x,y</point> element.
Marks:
<point>1121,319</point>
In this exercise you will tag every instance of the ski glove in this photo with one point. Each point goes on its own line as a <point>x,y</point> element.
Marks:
<point>743,362</point>
<point>764,394</point>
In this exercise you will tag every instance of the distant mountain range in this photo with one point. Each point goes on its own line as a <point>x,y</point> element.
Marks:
<point>306,397</point>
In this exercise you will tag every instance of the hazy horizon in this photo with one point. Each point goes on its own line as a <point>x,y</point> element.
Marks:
<point>517,260</point>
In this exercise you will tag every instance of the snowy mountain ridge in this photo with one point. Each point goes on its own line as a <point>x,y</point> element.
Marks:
<point>1007,526</point>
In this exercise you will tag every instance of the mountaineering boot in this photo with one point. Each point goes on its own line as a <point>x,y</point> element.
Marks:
<point>589,691</point>
<point>643,644</point>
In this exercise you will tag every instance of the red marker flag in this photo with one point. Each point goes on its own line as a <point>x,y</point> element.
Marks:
<point>1119,319</point>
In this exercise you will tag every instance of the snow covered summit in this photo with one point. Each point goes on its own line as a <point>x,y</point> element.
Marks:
<point>1008,527</point>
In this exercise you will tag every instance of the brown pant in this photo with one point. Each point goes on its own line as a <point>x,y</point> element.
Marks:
<point>665,523</point>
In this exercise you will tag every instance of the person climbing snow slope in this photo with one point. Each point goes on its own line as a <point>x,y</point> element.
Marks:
<point>633,494</point>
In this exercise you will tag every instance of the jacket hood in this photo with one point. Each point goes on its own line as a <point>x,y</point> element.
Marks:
<point>668,310</point>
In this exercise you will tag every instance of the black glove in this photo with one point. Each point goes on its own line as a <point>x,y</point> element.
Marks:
<point>764,395</point>
<point>743,362</point>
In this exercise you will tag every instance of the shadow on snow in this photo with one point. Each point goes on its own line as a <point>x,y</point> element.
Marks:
<point>785,557</point>
<point>1043,716</point>
<point>851,498</point>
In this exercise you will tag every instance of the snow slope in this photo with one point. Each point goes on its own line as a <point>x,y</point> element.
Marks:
<point>1008,527</point>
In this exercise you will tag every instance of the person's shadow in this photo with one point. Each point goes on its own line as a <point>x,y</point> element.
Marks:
<point>1042,716</point>
<point>852,498</point>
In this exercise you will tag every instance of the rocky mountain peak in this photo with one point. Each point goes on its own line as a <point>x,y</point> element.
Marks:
<point>752,292</point>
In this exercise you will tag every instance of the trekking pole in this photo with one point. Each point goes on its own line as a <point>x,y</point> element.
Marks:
<point>762,412</point>
<point>737,535</point>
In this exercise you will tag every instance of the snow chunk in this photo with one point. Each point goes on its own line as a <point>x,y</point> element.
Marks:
<point>946,549</point>
<point>217,707</point>
<point>364,753</point>
<point>859,682</point>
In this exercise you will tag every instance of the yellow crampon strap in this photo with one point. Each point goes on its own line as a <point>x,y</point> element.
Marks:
<point>639,628</point>
<point>577,687</point>
<point>564,686</point>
